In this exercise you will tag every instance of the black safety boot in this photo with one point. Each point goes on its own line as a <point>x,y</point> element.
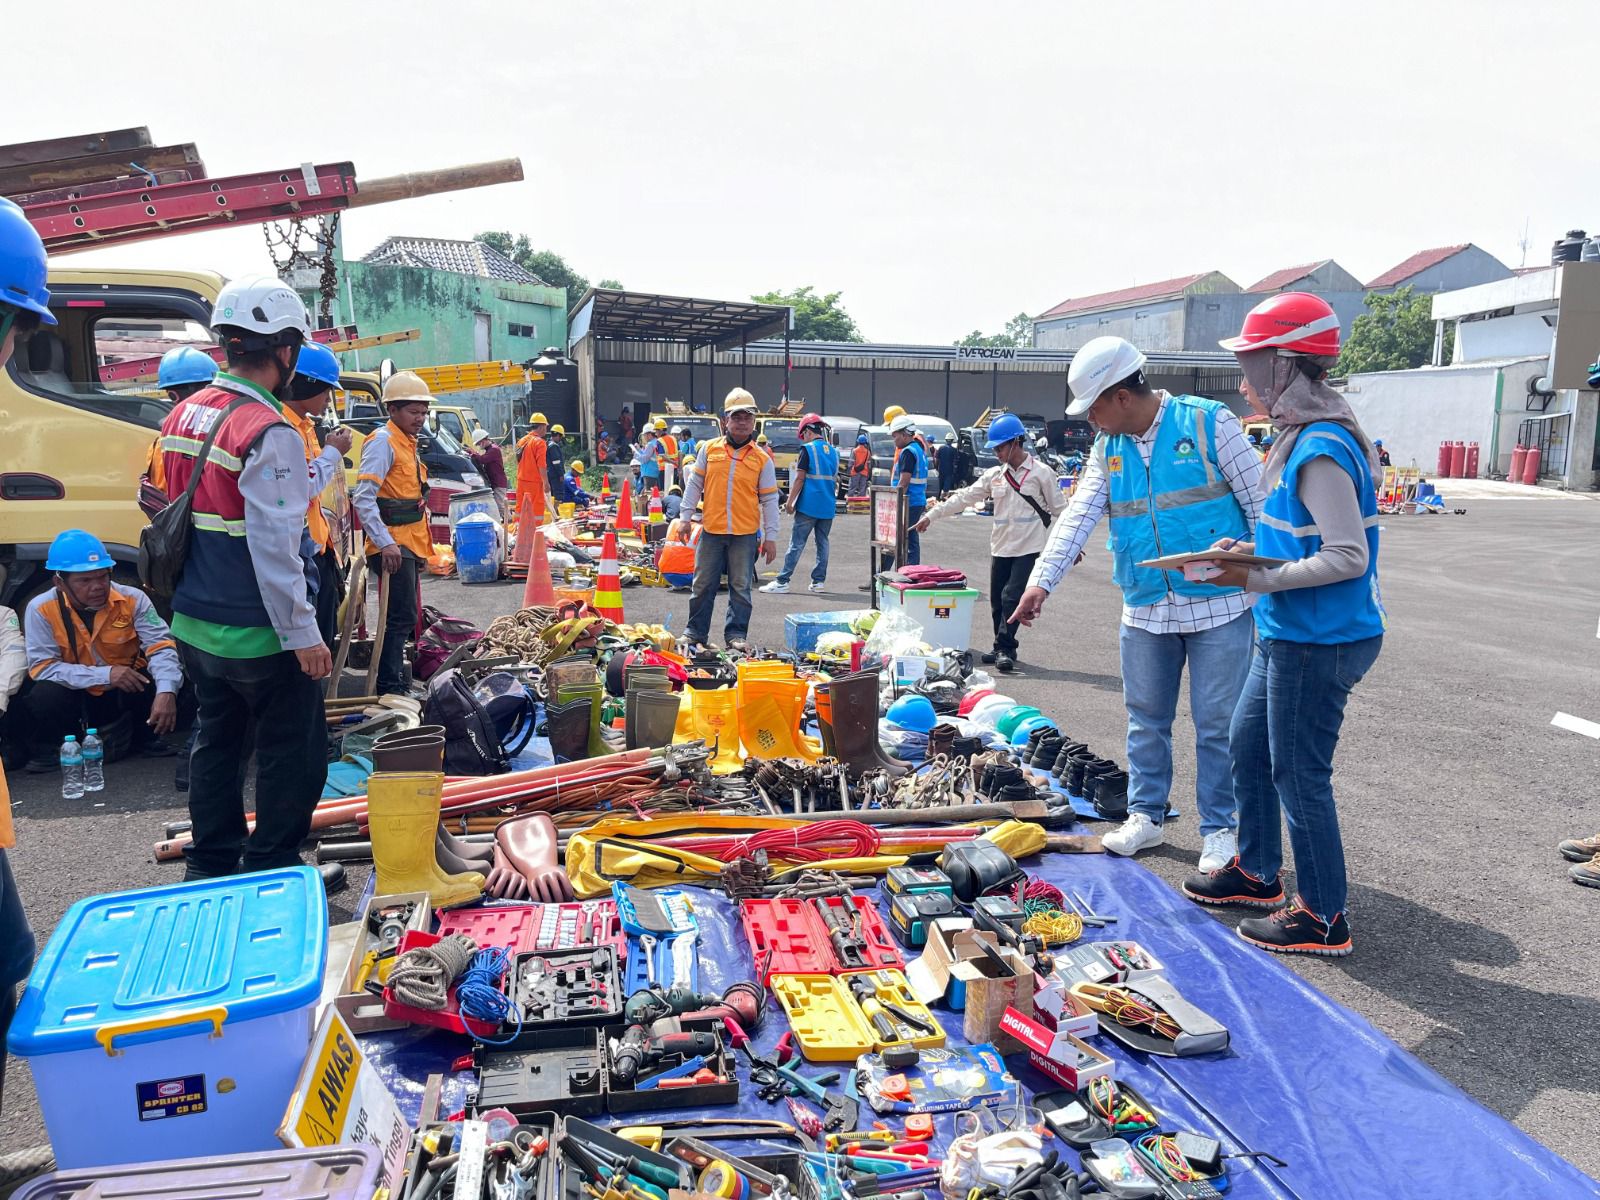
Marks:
<point>1293,930</point>
<point>1233,885</point>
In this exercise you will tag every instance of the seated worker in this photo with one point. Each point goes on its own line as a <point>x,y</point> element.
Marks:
<point>391,500</point>
<point>572,486</point>
<point>672,503</point>
<point>675,557</point>
<point>98,657</point>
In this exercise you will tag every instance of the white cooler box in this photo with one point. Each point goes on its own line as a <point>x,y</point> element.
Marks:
<point>171,1021</point>
<point>945,614</point>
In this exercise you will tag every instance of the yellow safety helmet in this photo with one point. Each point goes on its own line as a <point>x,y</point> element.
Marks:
<point>659,423</point>
<point>761,440</point>
<point>576,465</point>
<point>893,411</point>
<point>538,419</point>
<point>739,400</point>
<point>559,430</point>
<point>689,460</point>
<point>405,387</point>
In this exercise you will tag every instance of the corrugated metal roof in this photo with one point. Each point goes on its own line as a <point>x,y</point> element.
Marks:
<point>894,357</point>
<point>1420,261</point>
<point>1165,289</point>
<point>444,254</point>
<point>1279,280</point>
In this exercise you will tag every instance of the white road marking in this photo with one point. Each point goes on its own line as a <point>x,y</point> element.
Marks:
<point>1576,724</point>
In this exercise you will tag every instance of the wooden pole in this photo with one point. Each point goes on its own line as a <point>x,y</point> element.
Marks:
<point>429,183</point>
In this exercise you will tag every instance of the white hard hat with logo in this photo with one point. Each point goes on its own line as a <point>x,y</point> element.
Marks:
<point>902,424</point>
<point>1097,365</point>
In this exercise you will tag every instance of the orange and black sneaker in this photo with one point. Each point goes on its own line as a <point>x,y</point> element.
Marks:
<point>1294,930</point>
<point>1232,884</point>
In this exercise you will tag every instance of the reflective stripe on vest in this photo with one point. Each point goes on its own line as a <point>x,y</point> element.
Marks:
<point>316,521</point>
<point>1178,502</point>
<point>404,483</point>
<point>731,492</point>
<point>1350,610</point>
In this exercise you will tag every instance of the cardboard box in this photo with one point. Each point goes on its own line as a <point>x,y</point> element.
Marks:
<point>991,988</point>
<point>1058,1054</point>
<point>1070,1014</point>
<point>930,974</point>
<point>362,1010</point>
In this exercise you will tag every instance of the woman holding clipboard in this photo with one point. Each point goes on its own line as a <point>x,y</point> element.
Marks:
<point>1319,627</point>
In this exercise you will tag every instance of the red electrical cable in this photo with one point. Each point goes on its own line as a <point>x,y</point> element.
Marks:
<point>842,838</point>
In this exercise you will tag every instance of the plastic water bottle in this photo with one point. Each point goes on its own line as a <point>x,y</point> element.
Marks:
<point>71,769</point>
<point>94,762</point>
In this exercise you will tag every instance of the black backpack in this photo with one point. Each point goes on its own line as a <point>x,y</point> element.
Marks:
<point>471,742</point>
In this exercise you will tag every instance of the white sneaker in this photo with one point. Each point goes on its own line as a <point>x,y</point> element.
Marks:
<point>816,587</point>
<point>1219,849</point>
<point>775,587</point>
<point>1133,835</point>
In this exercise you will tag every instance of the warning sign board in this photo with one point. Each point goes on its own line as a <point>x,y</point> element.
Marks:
<point>340,1100</point>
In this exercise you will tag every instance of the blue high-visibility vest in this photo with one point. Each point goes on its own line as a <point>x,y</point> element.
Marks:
<point>1350,610</point>
<point>1177,503</point>
<point>917,493</point>
<point>817,498</point>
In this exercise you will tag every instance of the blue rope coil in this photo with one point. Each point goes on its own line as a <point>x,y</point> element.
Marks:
<point>481,996</point>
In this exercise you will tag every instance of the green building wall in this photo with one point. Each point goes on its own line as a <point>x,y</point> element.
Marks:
<point>521,319</point>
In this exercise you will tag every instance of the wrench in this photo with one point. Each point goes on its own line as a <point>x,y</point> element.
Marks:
<point>647,947</point>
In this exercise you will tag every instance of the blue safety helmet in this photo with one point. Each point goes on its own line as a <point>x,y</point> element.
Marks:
<point>1003,429</point>
<point>22,264</point>
<point>317,362</point>
<point>1019,735</point>
<point>75,551</point>
<point>185,364</point>
<point>862,439</point>
<point>914,713</point>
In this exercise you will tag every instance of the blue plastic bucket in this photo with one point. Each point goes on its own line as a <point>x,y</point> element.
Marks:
<point>477,549</point>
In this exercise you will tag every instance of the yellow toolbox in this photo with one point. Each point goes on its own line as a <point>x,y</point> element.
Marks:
<point>891,1004</point>
<point>827,1024</point>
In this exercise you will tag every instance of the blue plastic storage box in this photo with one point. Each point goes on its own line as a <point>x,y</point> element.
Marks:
<point>168,1020</point>
<point>801,630</point>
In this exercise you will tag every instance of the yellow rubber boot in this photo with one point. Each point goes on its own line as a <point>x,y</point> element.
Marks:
<point>788,699</point>
<point>716,720</point>
<point>403,817</point>
<point>684,731</point>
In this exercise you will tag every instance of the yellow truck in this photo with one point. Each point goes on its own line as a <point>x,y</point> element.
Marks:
<point>77,441</point>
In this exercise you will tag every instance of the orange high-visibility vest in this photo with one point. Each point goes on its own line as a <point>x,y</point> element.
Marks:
<point>531,464</point>
<point>731,493</point>
<point>114,638</point>
<point>316,520</point>
<point>404,482</point>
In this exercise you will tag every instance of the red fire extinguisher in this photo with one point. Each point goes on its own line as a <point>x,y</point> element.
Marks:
<point>1444,460</point>
<point>1519,456</point>
<point>1530,466</point>
<point>1472,460</point>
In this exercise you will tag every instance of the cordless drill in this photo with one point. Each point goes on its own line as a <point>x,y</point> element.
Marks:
<point>639,1047</point>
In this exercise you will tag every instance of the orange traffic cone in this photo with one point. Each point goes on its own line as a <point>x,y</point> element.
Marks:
<point>525,527</point>
<point>608,582</point>
<point>605,487</point>
<point>539,589</point>
<point>625,520</point>
<point>656,514</point>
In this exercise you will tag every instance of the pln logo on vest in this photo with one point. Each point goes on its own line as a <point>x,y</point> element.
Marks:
<point>1114,463</point>
<point>1184,448</point>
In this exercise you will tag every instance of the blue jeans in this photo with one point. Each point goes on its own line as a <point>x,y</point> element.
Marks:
<point>803,528</point>
<point>1152,673</point>
<point>913,538</point>
<point>734,553</point>
<point>1284,733</point>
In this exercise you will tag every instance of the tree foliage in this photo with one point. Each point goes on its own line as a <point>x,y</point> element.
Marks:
<point>1394,334</point>
<point>816,318</point>
<point>546,264</point>
<point>1018,332</point>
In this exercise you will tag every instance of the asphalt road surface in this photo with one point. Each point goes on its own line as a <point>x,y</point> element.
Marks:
<point>1472,945</point>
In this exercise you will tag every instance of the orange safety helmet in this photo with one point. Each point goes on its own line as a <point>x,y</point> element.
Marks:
<point>1291,323</point>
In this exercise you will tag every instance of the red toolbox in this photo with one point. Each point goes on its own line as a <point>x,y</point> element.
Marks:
<point>530,928</point>
<point>822,936</point>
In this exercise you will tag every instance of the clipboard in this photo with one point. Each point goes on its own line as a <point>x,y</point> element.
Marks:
<point>1176,562</point>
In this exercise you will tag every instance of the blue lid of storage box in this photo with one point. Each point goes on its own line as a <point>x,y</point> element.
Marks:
<point>247,945</point>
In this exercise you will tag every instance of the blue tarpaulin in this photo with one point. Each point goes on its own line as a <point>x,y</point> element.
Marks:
<point>1353,1114</point>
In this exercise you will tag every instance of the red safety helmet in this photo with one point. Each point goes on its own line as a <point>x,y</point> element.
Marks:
<point>811,421</point>
<point>1293,323</point>
<point>970,700</point>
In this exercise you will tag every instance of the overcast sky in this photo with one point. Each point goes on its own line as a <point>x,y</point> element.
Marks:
<point>944,165</point>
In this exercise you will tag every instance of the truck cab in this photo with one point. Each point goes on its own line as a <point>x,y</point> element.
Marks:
<point>78,428</point>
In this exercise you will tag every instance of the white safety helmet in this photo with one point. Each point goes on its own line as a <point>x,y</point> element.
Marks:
<point>1097,365</point>
<point>264,305</point>
<point>902,424</point>
<point>988,711</point>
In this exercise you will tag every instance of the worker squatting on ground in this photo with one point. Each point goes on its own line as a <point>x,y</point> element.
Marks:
<point>739,486</point>
<point>391,500</point>
<point>572,486</point>
<point>1319,628</point>
<point>316,373</point>
<point>246,629</point>
<point>812,502</point>
<point>491,463</point>
<point>99,657</point>
<point>1174,473</point>
<point>1026,495</point>
<point>24,306</point>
